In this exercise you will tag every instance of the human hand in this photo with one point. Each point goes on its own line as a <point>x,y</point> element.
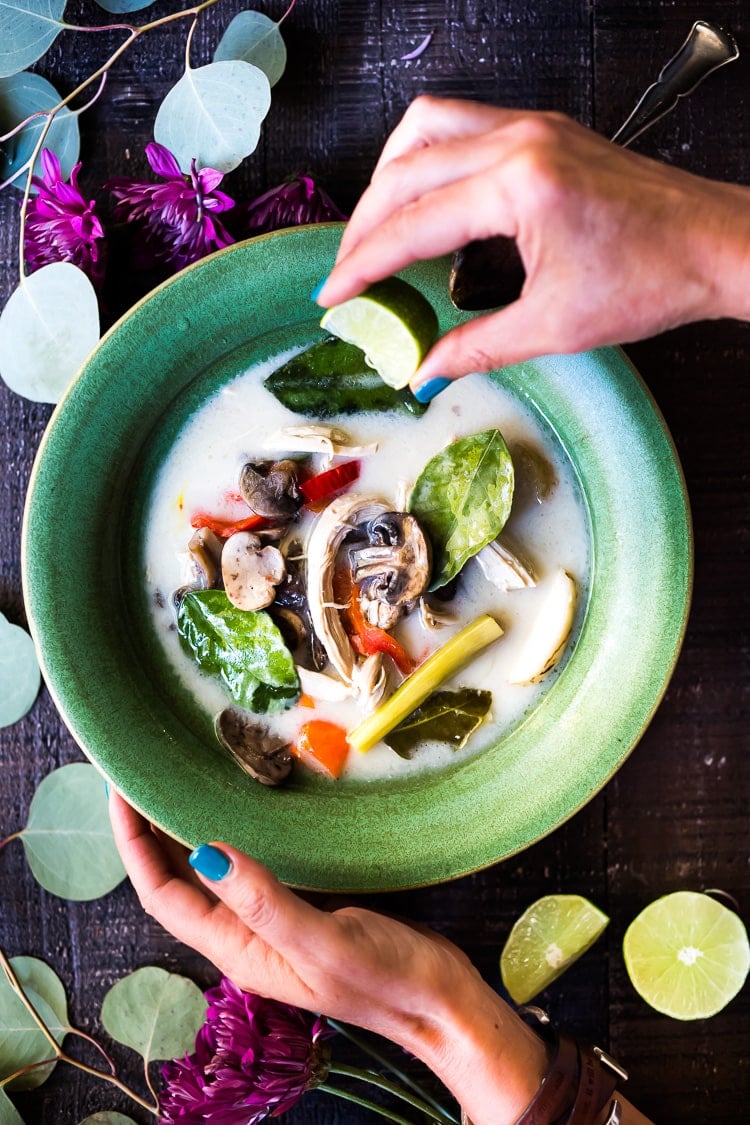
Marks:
<point>408,984</point>
<point>616,247</point>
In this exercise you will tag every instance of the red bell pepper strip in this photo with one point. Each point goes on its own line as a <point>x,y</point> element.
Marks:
<point>324,486</point>
<point>225,528</point>
<point>368,639</point>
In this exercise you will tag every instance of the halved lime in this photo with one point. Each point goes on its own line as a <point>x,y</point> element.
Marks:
<point>548,937</point>
<point>393,324</point>
<point>687,955</point>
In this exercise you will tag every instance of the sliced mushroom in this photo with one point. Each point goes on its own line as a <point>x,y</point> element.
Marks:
<point>291,597</point>
<point>270,488</point>
<point>504,569</point>
<point>331,440</point>
<point>432,617</point>
<point>205,549</point>
<point>251,572</point>
<point>536,478</point>
<point>394,566</point>
<point>264,756</point>
<point>338,520</point>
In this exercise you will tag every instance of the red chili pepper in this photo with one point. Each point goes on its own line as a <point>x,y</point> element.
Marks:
<point>368,639</point>
<point>225,528</point>
<point>325,485</point>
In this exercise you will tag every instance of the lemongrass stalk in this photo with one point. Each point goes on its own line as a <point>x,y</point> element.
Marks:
<point>428,676</point>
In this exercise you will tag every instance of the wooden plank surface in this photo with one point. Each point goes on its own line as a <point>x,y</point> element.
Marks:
<point>675,816</point>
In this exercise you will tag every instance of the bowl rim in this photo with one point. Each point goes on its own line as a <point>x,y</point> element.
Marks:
<point>613,386</point>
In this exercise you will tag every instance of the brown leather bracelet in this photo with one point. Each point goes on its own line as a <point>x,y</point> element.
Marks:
<point>579,1084</point>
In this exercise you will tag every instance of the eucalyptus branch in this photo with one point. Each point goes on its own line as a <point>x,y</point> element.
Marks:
<point>151,1089</point>
<point>26,1070</point>
<point>288,12</point>
<point>94,1043</point>
<point>59,1054</point>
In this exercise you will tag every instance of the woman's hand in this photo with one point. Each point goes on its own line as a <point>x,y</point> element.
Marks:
<point>409,985</point>
<point>616,247</point>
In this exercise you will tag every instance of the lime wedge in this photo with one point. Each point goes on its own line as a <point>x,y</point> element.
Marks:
<point>687,955</point>
<point>393,324</point>
<point>548,937</point>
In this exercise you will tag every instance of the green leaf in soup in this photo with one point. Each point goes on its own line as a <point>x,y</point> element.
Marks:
<point>22,95</point>
<point>68,838</point>
<point>254,38</point>
<point>21,1041</point>
<point>47,329</point>
<point>244,648</point>
<point>213,115</point>
<point>28,28</point>
<point>156,1013</point>
<point>333,378</point>
<point>462,499</point>
<point>9,1115</point>
<point>445,716</point>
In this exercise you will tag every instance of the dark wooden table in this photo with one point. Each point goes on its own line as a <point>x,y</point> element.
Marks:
<point>675,816</point>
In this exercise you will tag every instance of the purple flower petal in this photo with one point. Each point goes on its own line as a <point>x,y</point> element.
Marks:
<point>420,50</point>
<point>162,161</point>
<point>299,200</point>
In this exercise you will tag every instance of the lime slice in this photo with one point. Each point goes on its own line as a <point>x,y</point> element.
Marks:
<point>687,955</point>
<point>548,937</point>
<point>393,324</point>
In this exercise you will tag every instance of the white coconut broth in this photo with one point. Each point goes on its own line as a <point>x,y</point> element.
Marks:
<point>233,427</point>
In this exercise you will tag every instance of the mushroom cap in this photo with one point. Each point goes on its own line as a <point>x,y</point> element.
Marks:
<point>270,488</point>
<point>394,565</point>
<point>251,572</point>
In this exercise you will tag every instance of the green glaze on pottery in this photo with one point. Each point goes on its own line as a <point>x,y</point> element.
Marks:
<point>80,550</point>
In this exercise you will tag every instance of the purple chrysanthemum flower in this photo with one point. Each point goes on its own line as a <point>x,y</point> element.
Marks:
<point>254,1058</point>
<point>177,217</point>
<point>299,200</point>
<point>61,225</point>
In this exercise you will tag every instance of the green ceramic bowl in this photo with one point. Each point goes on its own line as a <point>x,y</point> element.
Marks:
<point>82,521</point>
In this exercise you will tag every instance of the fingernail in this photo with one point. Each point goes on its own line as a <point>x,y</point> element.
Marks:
<point>318,289</point>
<point>426,392</point>
<point>210,862</point>
<point>106,789</point>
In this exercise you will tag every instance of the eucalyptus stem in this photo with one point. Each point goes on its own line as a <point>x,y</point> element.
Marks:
<point>61,1055</point>
<point>382,1083</point>
<point>363,1045</point>
<point>94,1043</point>
<point>25,1070</point>
<point>379,1109</point>
<point>13,836</point>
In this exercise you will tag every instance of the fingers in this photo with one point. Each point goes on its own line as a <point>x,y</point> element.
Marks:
<point>514,334</point>
<point>430,120</point>
<point>435,224</point>
<point>418,173</point>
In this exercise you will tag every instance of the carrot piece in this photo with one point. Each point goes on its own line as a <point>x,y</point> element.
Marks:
<point>306,700</point>
<point>322,746</point>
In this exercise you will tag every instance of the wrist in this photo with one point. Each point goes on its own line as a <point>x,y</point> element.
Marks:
<point>722,244</point>
<point>479,1048</point>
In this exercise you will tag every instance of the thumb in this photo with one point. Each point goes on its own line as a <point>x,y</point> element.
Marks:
<point>268,908</point>
<point>512,335</point>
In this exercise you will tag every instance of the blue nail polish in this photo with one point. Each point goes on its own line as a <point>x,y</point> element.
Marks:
<point>209,861</point>
<point>106,789</point>
<point>427,391</point>
<point>318,289</point>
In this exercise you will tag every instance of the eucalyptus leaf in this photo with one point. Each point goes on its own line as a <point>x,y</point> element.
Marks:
<point>119,8</point>
<point>19,673</point>
<point>244,648</point>
<point>9,1115</point>
<point>254,38</point>
<point>445,716</point>
<point>156,1013</point>
<point>20,96</point>
<point>333,377</point>
<point>28,28</point>
<point>47,329</point>
<point>68,838</point>
<point>462,499</point>
<point>213,115</point>
<point>21,1041</point>
<point>107,1116</point>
